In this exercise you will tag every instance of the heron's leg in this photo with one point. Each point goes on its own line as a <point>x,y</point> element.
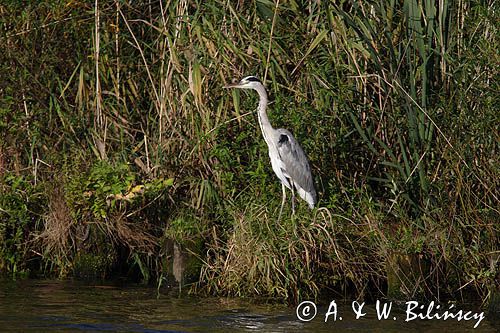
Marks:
<point>293,200</point>
<point>282,200</point>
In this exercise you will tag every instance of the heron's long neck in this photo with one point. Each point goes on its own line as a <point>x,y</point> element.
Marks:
<point>264,123</point>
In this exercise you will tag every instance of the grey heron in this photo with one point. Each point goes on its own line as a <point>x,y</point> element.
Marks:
<point>288,160</point>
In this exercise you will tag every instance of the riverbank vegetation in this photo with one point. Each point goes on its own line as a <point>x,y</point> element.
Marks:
<point>118,140</point>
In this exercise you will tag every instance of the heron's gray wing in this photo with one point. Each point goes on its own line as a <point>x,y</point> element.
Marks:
<point>295,161</point>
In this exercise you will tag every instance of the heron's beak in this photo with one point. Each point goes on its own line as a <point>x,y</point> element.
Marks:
<point>232,85</point>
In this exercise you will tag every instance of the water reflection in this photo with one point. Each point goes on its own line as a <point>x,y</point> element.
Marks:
<point>66,306</point>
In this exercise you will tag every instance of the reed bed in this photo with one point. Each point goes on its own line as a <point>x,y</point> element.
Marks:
<point>117,137</point>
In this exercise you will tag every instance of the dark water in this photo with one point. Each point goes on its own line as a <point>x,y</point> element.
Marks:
<point>66,306</point>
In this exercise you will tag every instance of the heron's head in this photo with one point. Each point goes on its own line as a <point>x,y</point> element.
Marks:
<point>248,82</point>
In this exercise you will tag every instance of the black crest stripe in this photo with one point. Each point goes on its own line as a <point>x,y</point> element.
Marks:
<point>253,79</point>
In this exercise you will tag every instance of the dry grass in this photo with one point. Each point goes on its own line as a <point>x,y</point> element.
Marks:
<point>57,238</point>
<point>294,259</point>
<point>133,235</point>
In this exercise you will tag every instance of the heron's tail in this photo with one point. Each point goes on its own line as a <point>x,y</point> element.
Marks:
<point>309,197</point>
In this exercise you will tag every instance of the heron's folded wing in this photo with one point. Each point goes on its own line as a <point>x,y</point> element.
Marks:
<point>295,161</point>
